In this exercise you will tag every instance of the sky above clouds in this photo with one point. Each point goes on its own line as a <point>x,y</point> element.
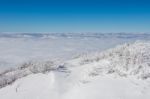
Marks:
<point>74,16</point>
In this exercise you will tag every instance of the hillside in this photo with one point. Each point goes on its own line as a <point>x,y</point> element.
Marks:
<point>119,73</point>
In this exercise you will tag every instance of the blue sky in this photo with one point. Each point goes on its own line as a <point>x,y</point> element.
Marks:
<point>74,16</point>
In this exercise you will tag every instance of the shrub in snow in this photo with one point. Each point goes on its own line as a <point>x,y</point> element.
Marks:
<point>124,60</point>
<point>9,76</point>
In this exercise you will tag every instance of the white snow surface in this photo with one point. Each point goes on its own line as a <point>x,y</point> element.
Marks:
<point>122,72</point>
<point>57,86</point>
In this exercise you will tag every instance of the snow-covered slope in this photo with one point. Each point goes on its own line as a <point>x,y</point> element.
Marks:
<point>124,60</point>
<point>118,73</point>
<point>55,85</point>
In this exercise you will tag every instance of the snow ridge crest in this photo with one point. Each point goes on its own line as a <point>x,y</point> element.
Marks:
<point>132,59</point>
